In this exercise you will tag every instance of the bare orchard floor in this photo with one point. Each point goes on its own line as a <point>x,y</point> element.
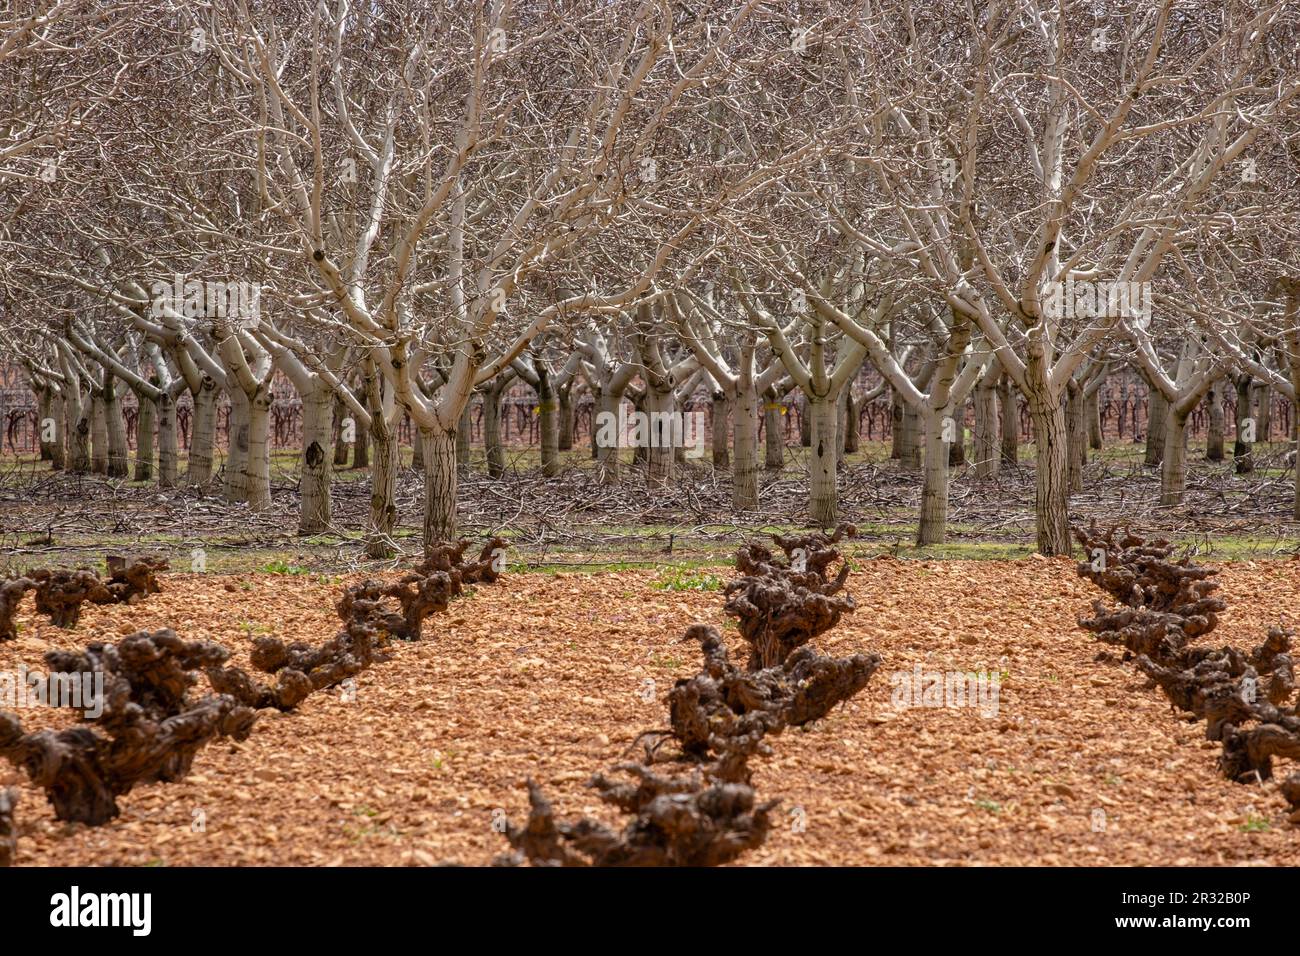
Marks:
<point>573,520</point>
<point>547,675</point>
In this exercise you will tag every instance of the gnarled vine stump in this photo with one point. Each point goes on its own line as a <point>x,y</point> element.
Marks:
<point>782,605</point>
<point>677,821</point>
<point>346,654</point>
<point>11,595</point>
<point>707,813</point>
<point>60,594</point>
<point>450,559</point>
<point>1166,605</point>
<point>8,828</point>
<point>417,594</point>
<point>133,578</point>
<point>725,712</point>
<point>1291,793</point>
<point>291,687</point>
<point>149,728</point>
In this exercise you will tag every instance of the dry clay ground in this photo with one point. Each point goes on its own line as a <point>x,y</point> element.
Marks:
<point>547,676</point>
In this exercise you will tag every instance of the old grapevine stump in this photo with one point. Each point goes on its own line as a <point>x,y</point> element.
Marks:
<point>130,579</point>
<point>11,595</point>
<point>450,559</point>
<point>417,595</point>
<point>290,689</point>
<point>8,828</point>
<point>781,605</point>
<point>301,668</point>
<point>676,821</point>
<point>1243,696</point>
<point>150,727</point>
<point>1165,604</point>
<point>724,710</point>
<point>706,813</point>
<point>60,594</point>
<point>372,612</point>
<point>1291,793</point>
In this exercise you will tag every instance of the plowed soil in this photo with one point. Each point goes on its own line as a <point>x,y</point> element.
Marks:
<point>549,677</point>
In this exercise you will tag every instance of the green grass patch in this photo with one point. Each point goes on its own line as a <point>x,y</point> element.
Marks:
<point>282,567</point>
<point>1255,824</point>
<point>687,579</point>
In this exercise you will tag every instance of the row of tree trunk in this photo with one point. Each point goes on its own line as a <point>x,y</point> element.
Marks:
<point>85,430</point>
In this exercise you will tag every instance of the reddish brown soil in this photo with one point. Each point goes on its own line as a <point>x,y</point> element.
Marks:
<point>546,676</point>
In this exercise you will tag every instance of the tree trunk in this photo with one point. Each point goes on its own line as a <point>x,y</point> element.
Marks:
<point>1092,418</point>
<point>744,474</point>
<point>1243,451</point>
<point>119,460</point>
<point>665,435</point>
<point>1263,412</point>
<point>774,427</point>
<point>383,482</point>
<point>1173,466</point>
<point>1214,429</point>
<point>236,483</point>
<point>59,446</point>
<point>1295,435</point>
<point>316,509</point>
<point>1157,414</point>
<point>44,413</point>
<point>417,449</point>
<point>98,436</point>
<point>565,398</point>
<point>841,424</point>
<point>721,452</point>
<point>822,493</point>
<point>933,525</point>
<point>1076,437</point>
<point>986,431</point>
<point>852,423</point>
<point>640,449</point>
<point>1051,491</point>
<point>341,414</point>
<point>78,433</point>
<point>605,436</point>
<point>168,445</point>
<point>257,461</point>
<point>897,409</point>
<point>145,420</point>
<point>493,450</point>
<point>805,422</point>
<point>464,436</point>
<point>909,448</point>
<point>1009,417</point>
<point>957,447</point>
<point>440,487</point>
<point>203,433</point>
<point>361,447</point>
<point>550,415</point>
